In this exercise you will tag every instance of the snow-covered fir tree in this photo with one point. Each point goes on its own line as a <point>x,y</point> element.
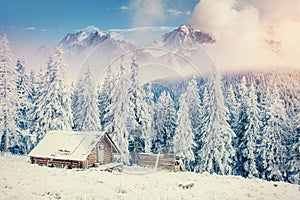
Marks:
<point>194,109</point>
<point>121,114</point>
<point>204,122</point>
<point>37,83</point>
<point>193,101</point>
<point>293,163</point>
<point>53,111</point>
<point>233,108</point>
<point>247,146</point>
<point>104,96</point>
<point>76,103</point>
<point>32,85</point>
<point>10,137</point>
<point>150,132</point>
<point>184,136</point>
<point>24,107</point>
<point>216,153</point>
<point>165,124</point>
<point>86,115</point>
<point>247,131</point>
<point>142,113</point>
<point>23,93</point>
<point>30,140</point>
<point>273,150</point>
<point>242,115</point>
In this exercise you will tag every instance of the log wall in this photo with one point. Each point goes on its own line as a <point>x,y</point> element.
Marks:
<point>108,151</point>
<point>57,162</point>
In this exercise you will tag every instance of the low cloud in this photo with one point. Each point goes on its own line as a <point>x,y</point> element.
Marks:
<point>124,7</point>
<point>147,12</point>
<point>149,28</point>
<point>30,28</point>
<point>250,33</point>
<point>131,33</point>
<point>178,12</point>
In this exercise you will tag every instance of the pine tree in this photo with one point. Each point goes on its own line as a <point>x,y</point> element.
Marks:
<point>233,108</point>
<point>293,163</point>
<point>24,107</point>
<point>104,97</point>
<point>10,138</point>
<point>248,141</point>
<point>142,124</point>
<point>87,115</point>
<point>30,141</point>
<point>32,85</point>
<point>294,160</point>
<point>121,114</point>
<point>136,132</point>
<point>194,103</point>
<point>150,132</point>
<point>165,124</point>
<point>76,105</point>
<point>242,118</point>
<point>215,155</point>
<point>273,150</point>
<point>53,102</point>
<point>23,94</point>
<point>204,122</point>
<point>247,131</point>
<point>184,137</point>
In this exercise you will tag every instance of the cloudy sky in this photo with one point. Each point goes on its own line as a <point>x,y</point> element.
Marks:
<point>248,32</point>
<point>251,32</point>
<point>50,20</point>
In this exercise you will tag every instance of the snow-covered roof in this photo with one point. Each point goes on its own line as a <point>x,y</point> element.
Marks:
<point>67,145</point>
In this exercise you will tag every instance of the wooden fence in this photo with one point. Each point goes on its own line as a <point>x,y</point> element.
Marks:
<point>164,161</point>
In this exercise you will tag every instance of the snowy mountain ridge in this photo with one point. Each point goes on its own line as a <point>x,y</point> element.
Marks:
<point>183,37</point>
<point>90,37</point>
<point>98,47</point>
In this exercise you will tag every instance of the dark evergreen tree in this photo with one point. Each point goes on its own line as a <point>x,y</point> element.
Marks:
<point>273,150</point>
<point>53,111</point>
<point>165,124</point>
<point>86,115</point>
<point>216,153</point>
<point>104,97</point>
<point>9,136</point>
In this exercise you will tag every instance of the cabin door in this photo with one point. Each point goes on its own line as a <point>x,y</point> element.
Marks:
<point>100,153</point>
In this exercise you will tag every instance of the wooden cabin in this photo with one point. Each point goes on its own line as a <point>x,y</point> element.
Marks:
<point>74,149</point>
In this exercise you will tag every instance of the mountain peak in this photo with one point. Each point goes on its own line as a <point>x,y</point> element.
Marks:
<point>92,30</point>
<point>184,37</point>
<point>89,29</point>
<point>89,37</point>
<point>185,28</point>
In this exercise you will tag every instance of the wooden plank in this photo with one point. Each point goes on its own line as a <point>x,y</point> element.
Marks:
<point>164,161</point>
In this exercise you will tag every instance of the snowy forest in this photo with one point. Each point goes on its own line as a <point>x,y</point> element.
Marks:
<point>244,124</point>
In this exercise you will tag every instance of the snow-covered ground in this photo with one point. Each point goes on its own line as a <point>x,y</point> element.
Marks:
<point>21,180</point>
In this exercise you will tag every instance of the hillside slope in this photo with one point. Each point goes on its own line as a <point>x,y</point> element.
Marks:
<point>21,180</point>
